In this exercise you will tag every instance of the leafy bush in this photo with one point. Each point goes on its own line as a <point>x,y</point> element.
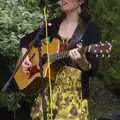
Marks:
<point>18,17</point>
<point>106,15</point>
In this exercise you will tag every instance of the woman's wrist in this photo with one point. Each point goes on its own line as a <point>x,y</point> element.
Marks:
<point>89,67</point>
<point>84,64</point>
<point>86,67</point>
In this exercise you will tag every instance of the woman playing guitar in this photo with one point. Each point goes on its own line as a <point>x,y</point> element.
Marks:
<point>71,87</point>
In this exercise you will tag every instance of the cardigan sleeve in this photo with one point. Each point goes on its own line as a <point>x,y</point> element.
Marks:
<point>94,37</point>
<point>24,42</point>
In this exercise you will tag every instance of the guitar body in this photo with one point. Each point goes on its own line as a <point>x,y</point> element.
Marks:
<point>32,82</point>
<point>54,51</point>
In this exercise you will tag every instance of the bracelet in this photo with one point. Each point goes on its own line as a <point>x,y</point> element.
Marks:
<point>87,67</point>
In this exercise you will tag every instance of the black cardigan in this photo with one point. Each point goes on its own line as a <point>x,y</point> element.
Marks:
<point>92,35</point>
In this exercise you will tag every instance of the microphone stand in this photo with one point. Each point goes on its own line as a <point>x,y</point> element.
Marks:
<point>43,81</point>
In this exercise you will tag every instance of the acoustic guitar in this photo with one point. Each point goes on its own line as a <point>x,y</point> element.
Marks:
<point>56,50</point>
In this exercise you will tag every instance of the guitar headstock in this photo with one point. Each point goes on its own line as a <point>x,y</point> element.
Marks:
<point>101,48</point>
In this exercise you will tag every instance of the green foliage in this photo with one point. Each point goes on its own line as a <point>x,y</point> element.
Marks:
<point>106,14</point>
<point>18,17</point>
<point>11,101</point>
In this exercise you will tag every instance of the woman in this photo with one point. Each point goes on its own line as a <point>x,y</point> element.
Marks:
<point>68,100</point>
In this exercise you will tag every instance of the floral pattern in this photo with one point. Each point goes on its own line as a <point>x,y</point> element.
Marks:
<point>67,103</point>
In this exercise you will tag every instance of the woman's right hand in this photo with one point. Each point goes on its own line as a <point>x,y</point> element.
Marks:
<point>26,65</point>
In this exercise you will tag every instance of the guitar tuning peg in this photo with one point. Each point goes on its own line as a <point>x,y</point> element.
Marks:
<point>108,55</point>
<point>81,41</point>
<point>106,41</point>
<point>96,45</point>
<point>102,44</point>
<point>95,51</point>
<point>112,41</point>
<point>96,55</point>
<point>101,51</point>
<point>107,51</point>
<point>103,55</point>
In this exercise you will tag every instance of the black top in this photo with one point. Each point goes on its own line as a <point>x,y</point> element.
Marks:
<point>92,35</point>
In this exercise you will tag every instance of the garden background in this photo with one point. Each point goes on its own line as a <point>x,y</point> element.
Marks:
<point>18,17</point>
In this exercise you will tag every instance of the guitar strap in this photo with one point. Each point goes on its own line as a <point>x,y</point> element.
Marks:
<point>77,36</point>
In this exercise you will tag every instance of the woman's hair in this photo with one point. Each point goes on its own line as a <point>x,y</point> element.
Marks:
<point>85,13</point>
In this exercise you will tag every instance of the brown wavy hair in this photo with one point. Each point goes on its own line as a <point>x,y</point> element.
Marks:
<point>85,11</point>
<point>84,15</point>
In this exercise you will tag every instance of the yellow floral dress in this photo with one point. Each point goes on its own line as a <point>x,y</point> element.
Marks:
<point>67,103</point>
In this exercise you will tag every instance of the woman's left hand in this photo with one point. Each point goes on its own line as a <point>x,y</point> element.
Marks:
<point>74,53</point>
<point>78,55</point>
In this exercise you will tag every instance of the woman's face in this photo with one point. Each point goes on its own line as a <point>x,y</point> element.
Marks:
<point>70,5</point>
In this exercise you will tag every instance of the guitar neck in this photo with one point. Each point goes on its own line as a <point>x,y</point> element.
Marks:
<point>94,49</point>
<point>65,54</point>
<point>59,56</point>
